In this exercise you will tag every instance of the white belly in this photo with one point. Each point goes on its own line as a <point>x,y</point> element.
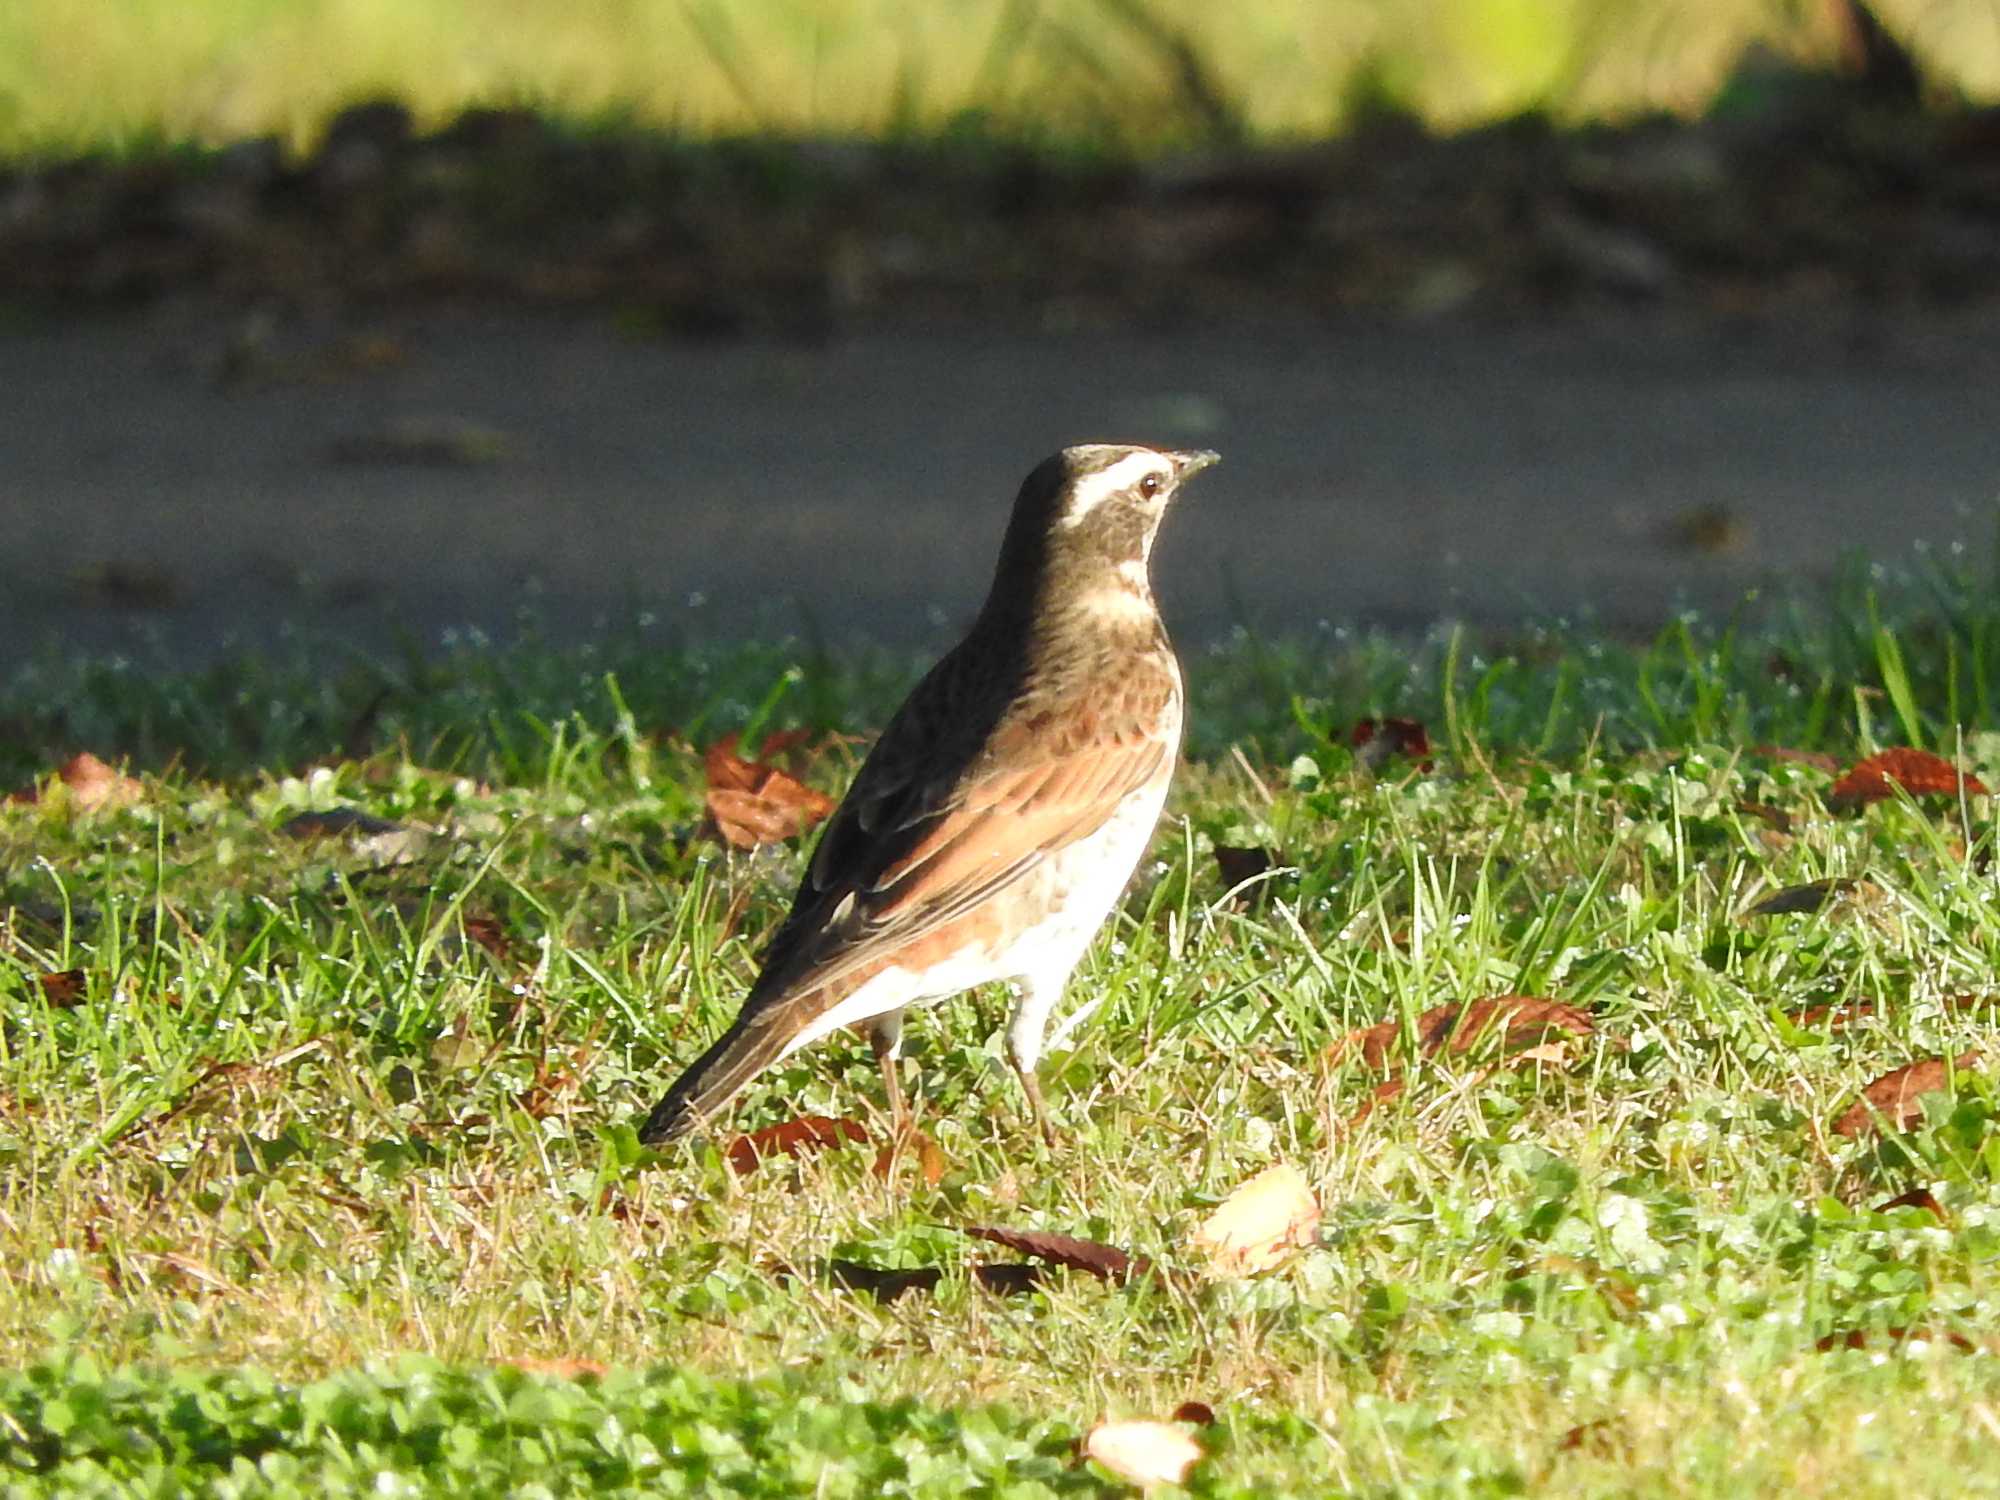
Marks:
<point>1078,887</point>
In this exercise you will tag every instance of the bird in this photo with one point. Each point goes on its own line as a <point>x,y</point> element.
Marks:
<point>999,817</point>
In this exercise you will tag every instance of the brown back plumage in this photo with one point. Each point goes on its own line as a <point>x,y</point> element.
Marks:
<point>1020,741</point>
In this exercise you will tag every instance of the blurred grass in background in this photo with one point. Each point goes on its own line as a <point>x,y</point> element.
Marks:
<point>121,75</point>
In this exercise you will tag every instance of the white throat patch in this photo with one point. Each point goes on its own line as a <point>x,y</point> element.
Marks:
<point>1094,489</point>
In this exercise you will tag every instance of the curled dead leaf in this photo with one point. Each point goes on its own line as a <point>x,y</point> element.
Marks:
<point>1914,1198</point>
<point>1895,1100</point>
<point>752,803</point>
<point>63,989</point>
<point>1863,1338</point>
<point>1382,1093</point>
<point>1009,1280</point>
<point>1107,1261</point>
<point>1917,772</point>
<point>1260,1225</point>
<point>790,1138</point>
<point>1811,896</point>
<point>1515,1019</point>
<point>1834,1014</point>
<point>1240,864</point>
<point>88,784</point>
<point>884,1285</point>
<point>929,1157</point>
<point>1148,1454</point>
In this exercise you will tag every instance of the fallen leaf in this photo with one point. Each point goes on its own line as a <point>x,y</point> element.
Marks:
<point>1147,1454</point>
<point>1914,1198</point>
<point>1382,1093</point>
<point>1260,1224</point>
<point>1917,772</point>
<point>1009,1280</point>
<point>1862,1338</point>
<point>1895,1099</point>
<point>1615,1286</point>
<point>490,935</point>
<point>63,989</point>
<point>1107,1261</point>
<point>89,784</point>
<point>883,1285</point>
<point>1834,1014</point>
<point>1375,740</point>
<point>752,803</point>
<point>1810,896</point>
<point>930,1157</point>
<point>557,1369</point>
<point>790,1138</point>
<point>334,822</point>
<point>378,839</point>
<point>1515,1018</point>
<point>1779,820</point>
<point>1240,864</point>
<point>1602,1438</point>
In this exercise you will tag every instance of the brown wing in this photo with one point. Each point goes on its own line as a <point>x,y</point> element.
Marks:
<point>923,839</point>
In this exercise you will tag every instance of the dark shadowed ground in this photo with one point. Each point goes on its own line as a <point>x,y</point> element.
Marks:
<point>178,472</point>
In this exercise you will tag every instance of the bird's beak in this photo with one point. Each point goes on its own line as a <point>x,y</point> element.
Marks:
<point>1191,461</point>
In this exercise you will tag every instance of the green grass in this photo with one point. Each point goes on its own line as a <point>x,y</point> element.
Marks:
<point>300,1160</point>
<point>1140,73</point>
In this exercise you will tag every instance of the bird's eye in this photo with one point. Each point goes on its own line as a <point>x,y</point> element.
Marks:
<point>1150,485</point>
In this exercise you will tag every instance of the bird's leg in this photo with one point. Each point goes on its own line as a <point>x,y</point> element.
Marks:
<point>885,1035</point>
<point>1032,1087</point>
<point>1039,994</point>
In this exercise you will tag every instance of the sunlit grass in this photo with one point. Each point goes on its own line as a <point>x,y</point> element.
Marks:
<point>146,71</point>
<point>296,1118</point>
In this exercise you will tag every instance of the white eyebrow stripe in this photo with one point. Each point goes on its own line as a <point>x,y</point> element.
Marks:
<point>1094,489</point>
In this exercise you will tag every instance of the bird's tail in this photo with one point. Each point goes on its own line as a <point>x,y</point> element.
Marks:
<point>748,1047</point>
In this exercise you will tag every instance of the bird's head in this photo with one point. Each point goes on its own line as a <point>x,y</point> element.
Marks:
<point>1086,518</point>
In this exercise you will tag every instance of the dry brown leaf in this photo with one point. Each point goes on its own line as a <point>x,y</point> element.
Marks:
<point>930,1157</point>
<point>490,935</point>
<point>1260,1224</point>
<point>752,803</point>
<point>88,785</point>
<point>1779,820</point>
<point>1107,1261</point>
<point>1240,864</point>
<point>1895,1099</point>
<point>1810,896</point>
<point>1009,1280</point>
<point>1516,1018</point>
<point>1835,1014</point>
<point>1917,772</point>
<point>883,1285</point>
<point>1148,1454</point>
<point>1914,1198</point>
<point>789,1138</point>
<point>63,989</point>
<point>1382,1093</point>
<point>1862,1338</point>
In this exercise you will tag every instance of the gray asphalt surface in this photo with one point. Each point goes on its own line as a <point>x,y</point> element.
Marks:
<point>465,464</point>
